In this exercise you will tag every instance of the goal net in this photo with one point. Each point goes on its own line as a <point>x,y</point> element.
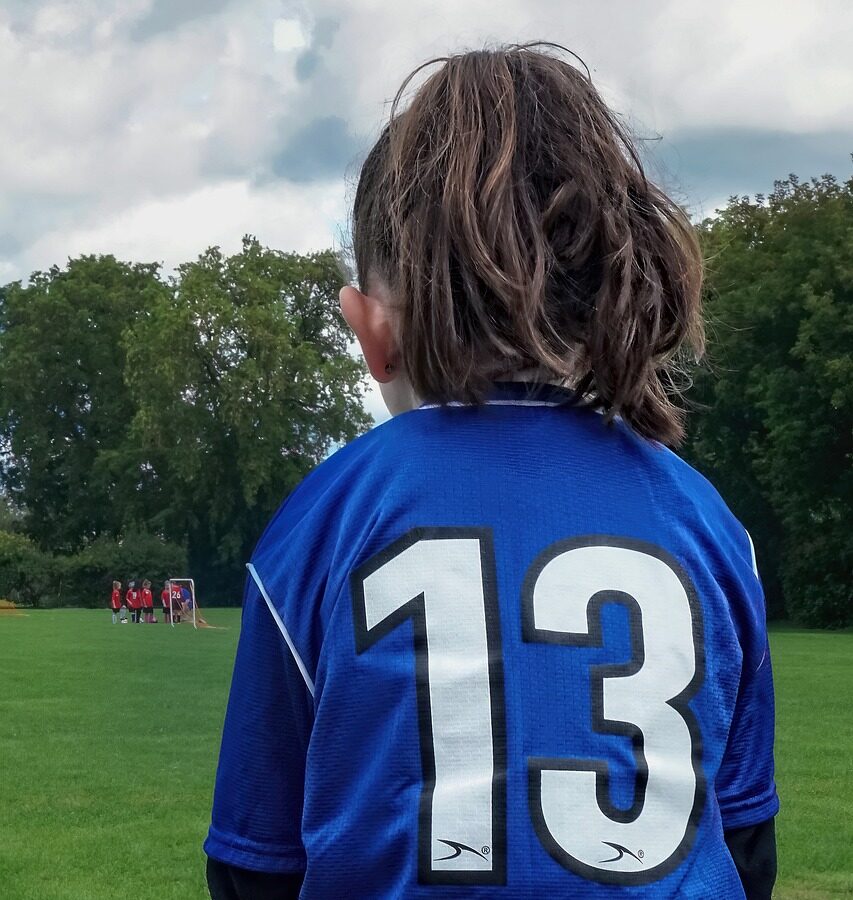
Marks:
<point>184,603</point>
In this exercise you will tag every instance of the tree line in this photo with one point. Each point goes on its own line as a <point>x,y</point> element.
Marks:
<point>156,423</point>
<point>771,420</point>
<point>152,425</point>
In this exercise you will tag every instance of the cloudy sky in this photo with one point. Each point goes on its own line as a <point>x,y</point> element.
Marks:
<point>154,128</point>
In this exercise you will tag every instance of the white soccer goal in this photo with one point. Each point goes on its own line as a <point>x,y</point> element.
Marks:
<point>188,609</point>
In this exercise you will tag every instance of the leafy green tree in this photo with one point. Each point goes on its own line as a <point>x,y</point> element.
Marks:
<point>183,410</point>
<point>10,517</point>
<point>64,406</point>
<point>27,574</point>
<point>242,383</point>
<point>772,425</point>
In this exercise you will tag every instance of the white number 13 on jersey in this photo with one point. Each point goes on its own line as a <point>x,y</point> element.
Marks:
<point>444,581</point>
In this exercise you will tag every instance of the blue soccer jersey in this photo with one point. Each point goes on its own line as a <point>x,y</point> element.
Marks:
<point>499,651</point>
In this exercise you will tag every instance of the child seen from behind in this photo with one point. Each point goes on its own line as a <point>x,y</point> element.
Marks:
<point>506,644</point>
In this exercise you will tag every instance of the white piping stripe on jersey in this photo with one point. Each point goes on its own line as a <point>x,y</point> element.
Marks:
<point>281,627</point>
<point>497,403</point>
<point>752,553</point>
<point>755,570</point>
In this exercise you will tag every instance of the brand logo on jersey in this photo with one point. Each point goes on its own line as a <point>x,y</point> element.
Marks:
<point>620,852</point>
<point>457,850</point>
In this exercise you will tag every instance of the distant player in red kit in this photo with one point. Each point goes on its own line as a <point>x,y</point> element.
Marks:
<point>148,602</point>
<point>177,598</point>
<point>134,602</point>
<point>166,601</point>
<point>115,600</point>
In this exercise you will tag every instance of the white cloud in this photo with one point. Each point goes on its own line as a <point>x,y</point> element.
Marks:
<point>756,64</point>
<point>176,229</point>
<point>677,64</point>
<point>288,35</point>
<point>140,126</point>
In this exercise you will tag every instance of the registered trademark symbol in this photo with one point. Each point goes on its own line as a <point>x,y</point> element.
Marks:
<point>486,850</point>
<point>640,854</point>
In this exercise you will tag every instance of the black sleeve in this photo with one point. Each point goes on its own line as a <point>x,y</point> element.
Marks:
<point>232,883</point>
<point>753,850</point>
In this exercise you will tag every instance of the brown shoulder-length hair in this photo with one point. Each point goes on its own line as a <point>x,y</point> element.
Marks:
<point>507,210</point>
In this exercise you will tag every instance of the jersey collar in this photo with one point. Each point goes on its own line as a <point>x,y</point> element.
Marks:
<point>520,393</point>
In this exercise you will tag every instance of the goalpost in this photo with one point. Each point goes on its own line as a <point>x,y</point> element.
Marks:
<point>183,607</point>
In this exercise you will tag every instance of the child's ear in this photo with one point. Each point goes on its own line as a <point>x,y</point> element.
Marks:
<point>369,319</point>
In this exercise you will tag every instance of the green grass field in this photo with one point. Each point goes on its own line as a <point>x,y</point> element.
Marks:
<point>109,736</point>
